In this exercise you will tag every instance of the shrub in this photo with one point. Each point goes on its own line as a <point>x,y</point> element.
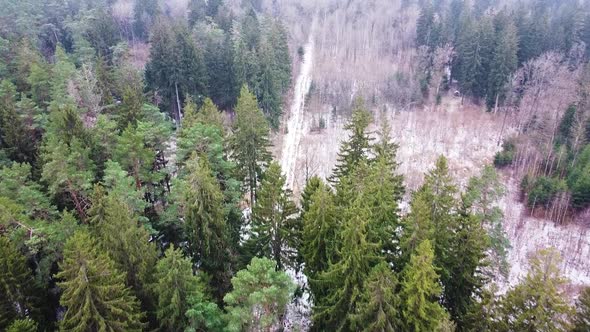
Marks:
<point>543,190</point>
<point>506,156</point>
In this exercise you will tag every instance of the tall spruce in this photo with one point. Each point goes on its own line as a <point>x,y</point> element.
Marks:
<point>421,291</point>
<point>250,142</point>
<point>379,306</point>
<point>274,232</point>
<point>94,292</point>
<point>356,148</point>
<point>344,278</point>
<point>175,285</point>
<point>17,292</point>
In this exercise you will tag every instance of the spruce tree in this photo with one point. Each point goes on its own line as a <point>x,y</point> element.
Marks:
<point>320,235</point>
<point>94,292</point>
<point>127,243</point>
<point>416,228</point>
<point>275,233</point>
<point>17,291</point>
<point>249,142</point>
<point>259,297</point>
<point>344,279</point>
<point>420,292</point>
<point>378,308</point>
<point>355,149</point>
<point>467,254</point>
<point>503,63</point>
<point>205,229</point>
<point>175,284</point>
<point>134,156</point>
<point>538,302</point>
<point>23,325</point>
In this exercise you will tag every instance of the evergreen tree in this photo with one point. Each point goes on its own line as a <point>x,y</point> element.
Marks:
<point>320,236</point>
<point>420,292</point>
<point>503,63</point>
<point>355,149</point>
<point>23,325</point>
<point>259,297</point>
<point>126,242</point>
<point>467,254</point>
<point>17,291</point>
<point>249,142</point>
<point>416,228</point>
<point>15,136</point>
<point>482,197</point>
<point>144,13</point>
<point>69,170</point>
<point>204,224</point>
<point>204,315</point>
<point>94,292</point>
<point>537,303</point>
<point>344,279</point>
<point>16,183</point>
<point>134,156</point>
<point>275,233</point>
<point>581,320</point>
<point>175,285</point>
<point>378,308</point>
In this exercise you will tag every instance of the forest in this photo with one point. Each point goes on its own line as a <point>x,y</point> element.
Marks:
<point>141,189</point>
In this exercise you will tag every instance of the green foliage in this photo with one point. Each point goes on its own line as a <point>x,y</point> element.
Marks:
<point>274,233</point>
<point>23,325</point>
<point>203,315</point>
<point>205,229</point>
<point>378,308</point>
<point>579,180</point>
<point>356,148</point>
<point>17,184</point>
<point>506,156</point>
<point>344,278</point>
<point>68,170</point>
<point>581,320</point>
<point>175,285</point>
<point>543,190</point>
<point>259,297</point>
<point>249,143</point>
<point>94,292</point>
<point>482,198</point>
<point>17,292</point>
<point>537,303</point>
<point>420,292</point>
<point>320,233</point>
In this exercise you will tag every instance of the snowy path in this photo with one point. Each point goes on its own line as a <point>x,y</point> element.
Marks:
<point>296,126</point>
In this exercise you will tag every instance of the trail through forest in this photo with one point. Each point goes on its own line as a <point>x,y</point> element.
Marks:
<point>296,126</point>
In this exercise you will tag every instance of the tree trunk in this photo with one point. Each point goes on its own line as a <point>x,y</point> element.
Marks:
<point>177,106</point>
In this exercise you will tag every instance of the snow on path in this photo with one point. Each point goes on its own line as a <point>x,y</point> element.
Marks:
<point>296,126</point>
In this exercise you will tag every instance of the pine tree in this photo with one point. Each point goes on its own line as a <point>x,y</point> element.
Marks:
<point>274,232</point>
<point>320,235</point>
<point>68,169</point>
<point>378,308</point>
<point>420,292</point>
<point>311,186</point>
<point>134,156</point>
<point>250,142</point>
<point>581,320</point>
<point>204,315</point>
<point>204,224</point>
<point>537,303</point>
<point>209,114</point>
<point>424,25</point>
<point>356,148</point>
<point>259,297</point>
<point>15,136</point>
<point>175,285</point>
<point>344,279</point>
<point>16,183</point>
<point>94,292</point>
<point>17,291</point>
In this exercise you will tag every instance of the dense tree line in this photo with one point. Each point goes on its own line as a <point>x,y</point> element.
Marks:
<point>113,219</point>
